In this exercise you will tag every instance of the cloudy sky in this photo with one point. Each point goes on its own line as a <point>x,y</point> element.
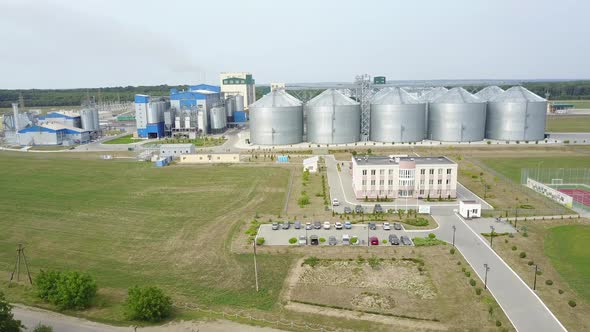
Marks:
<point>97,43</point>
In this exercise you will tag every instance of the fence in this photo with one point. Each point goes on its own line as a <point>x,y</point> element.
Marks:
<point>248,317</point>
<point>574,182</point>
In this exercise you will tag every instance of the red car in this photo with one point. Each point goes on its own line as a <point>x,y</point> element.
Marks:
<point>374,241</point>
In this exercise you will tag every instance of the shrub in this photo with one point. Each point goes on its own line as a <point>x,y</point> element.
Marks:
<point>478,291</point>
<point>458,262</point>
<point>498,323</point>
<point>322,239</point>
<point>7,321</point>
<point>560,291</point>
<point>384,241</point>
<point>548,282</point>
<point>373,261</point>
<point>467,274</point>
<point>432,236</point>
<point>463,269</point>
<point>43,328</point>
<point>522,254</point>
<point>452,251</point>
<point>260,241</point>
<point>293,240</point>
<point>147,304</point>
<point>572,303</point>
<point>66,290</point>
<point>514,248</point>
<point>530,262</point>
<point>311,261</point>
<point>472,282</point>
<point>354,240</point>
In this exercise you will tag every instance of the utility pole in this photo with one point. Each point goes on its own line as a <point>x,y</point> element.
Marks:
<point>255,265</point>
<point>485,279</point>
<point>20,251</point>
<point>454,229</point>
<point>535,282</point>
<point>492,237</point>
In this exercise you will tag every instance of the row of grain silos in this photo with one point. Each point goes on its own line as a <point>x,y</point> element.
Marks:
<point>396,116</point>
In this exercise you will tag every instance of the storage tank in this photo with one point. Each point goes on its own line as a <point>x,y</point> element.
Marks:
<point>96,119</point>
<point>488,92</point>
<point>430,96</point>
<point>87,119</point>
<point>457,116</point>
<point>396,116</point>
<point>217,119</point>
<point>152,113</point>
<point>230,106</point>
<point>239,106</point>
<point>275,119</point>
<point>333,118</point>
<point>516,115</point>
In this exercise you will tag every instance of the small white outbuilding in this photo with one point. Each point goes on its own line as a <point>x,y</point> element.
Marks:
<point>311,164</point>
<point>469,209</point>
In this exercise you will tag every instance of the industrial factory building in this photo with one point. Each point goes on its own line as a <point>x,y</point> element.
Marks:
<point>176,150</point>
<point>69,119</point>
<point>53,134</point>
<point>149,116</point>
<point>240,84</point>
<point>404,177</point>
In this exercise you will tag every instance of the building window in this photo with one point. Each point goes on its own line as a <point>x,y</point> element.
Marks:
<point>373,172</point>
<point>364,182</point>
<point>439,181</point>
<point>381,182</point>
<point>390,172</point>
<point>422,171</point>
<point>390,182</point>
<point>372,182</point>
<point>440,171</point>
<point>431,171</point>
<point>381,172</point>
<point>447,181</point>
<point>421,182</point>
<point>449,171</point>
<point>364,172</point>
<point>430,182</point>
<point>421,191</point>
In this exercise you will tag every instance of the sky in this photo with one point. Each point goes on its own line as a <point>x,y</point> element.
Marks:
<point>100,43</point>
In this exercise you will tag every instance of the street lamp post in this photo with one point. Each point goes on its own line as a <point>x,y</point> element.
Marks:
<point>492,237</point>
<point>535,281</point>
<point>485,279</point>
<point>454,229</point>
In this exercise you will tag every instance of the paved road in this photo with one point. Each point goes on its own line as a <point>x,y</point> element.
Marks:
<point>525,310</point>
<point>31,317</point>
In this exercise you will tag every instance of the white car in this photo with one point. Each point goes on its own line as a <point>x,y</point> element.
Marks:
<point>386,226</point>
<point>302,240</point>
<point>335,202</point>
<point>345,239</point>
<point>338,225</point>
<point>327,225</point>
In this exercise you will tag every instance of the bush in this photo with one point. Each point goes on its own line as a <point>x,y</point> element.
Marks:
<point>416,222</point>
<point>522,254</point>
<point>66,290</point>
<point>7,321</point>
<point>572,303</point>
<point>354,240</point>
<point>472,282</point>
<point>463,269</point>
<point>548,282</point>
<point>147,304</point>
<point>560,291</point>
<point>467,274</point>
<point>498,323</point>
<point>322,239</point>
<point>530,262</point>
<point>293,240</point>
<point>452,251</point>
<point>260,241</point>
<point>43,328</point>
<point>432,236</point>
<point>478,291</point>
<point>514,248</point>
<point>311,261</point>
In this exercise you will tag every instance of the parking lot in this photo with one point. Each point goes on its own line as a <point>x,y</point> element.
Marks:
<point>280,237</point>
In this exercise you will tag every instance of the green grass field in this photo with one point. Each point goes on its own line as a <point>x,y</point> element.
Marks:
<point>568,123</point>
<point>129,223</point>
<point>576,103</point>
<point>511,167</point>
<point>127,139</point>
<point>569,250</point>
<point>201,141</point>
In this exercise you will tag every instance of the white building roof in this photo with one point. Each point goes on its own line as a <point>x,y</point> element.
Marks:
<point>59,126</point>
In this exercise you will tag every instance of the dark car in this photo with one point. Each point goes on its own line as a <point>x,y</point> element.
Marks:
<point>297,225</point>
<point>377,208</point>
<point>374,241</point>
<point>397,226</point>
<point>286,225</point>
<point>393,240</point>
<point>317,225</point>
<point>372,226</point>
<point>332,241</point>
<point>358,209</point>
<point>406,240</point>
<point>347,210</point>
<point>314,240</point>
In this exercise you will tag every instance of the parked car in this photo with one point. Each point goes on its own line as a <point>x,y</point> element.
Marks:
<point>317,225</point>
<point>297,225</point>
<point>397,226</point>
<point>393,240</point>
<point>308,226</point>
<point>406,240</point>
<point>338,225</point>
<point>286,225</point>
<point>377,208</point>
<point>275,226</point>
<point>332,240</point>
<point>354,240</point>
<point>358,209</point>
<point>374,241</point>
<point>347,210</point>
<point>386,226</point>
<point>302,240</point>
<point>345,239</point>
<point>314,240</point>
<point>327,225</point>
<point>335,202</point>
<point>347,225</point>
<point>372,226</point>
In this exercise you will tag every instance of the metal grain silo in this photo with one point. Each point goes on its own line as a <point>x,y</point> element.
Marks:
<point>239,107</point>
<point>430,96</point>
<point>217,119</point>
<point>96,119</point>
<point>396,116</point>
<point>87,120</point>
<point>153,115</point>
<point>230,106</point>
<point>457,116</point>
<point>488,92</point>
<point>516,115</point>
<point>333,118</point>
<point>276,119</point>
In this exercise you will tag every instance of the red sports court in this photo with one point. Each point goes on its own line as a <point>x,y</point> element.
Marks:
<point>579,195</point>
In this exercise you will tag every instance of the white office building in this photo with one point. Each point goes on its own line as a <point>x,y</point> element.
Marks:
<point>404,177</point>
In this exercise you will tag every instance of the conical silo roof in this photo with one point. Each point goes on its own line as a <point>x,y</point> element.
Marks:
<point>395,96</point>
<point>488,92</point>
<point>277,98</point>
<point>457,96</point>
<point>330,97</point>
<point>433,94</point>
<point>517,94</point>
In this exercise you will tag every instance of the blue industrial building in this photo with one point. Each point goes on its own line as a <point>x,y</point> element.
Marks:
<point>149,116</point>
<point>197,96</point>
<point>52,134</point>
<point>67,119</point>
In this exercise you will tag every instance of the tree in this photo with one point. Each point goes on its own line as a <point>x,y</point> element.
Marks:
<point>147,304</point>
<point>66,290</point>
<point>7,321</point>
